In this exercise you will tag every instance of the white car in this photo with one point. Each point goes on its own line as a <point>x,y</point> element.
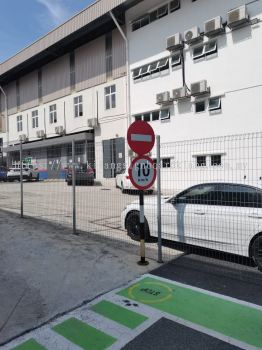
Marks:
<point>29,173</point>
<point>221,216</point>
<point>123,182</point>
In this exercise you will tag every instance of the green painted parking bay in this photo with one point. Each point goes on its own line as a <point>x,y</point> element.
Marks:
<point>230,318</point>
<point>83,335</point>
<point>29,345</point>
<point>119,314</point>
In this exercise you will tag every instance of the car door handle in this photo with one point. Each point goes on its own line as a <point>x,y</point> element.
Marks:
<point>199,212</point>
<point>255,216</point>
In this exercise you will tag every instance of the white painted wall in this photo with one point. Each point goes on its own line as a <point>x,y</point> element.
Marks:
<point>235,71</point>
<point>111,122</point>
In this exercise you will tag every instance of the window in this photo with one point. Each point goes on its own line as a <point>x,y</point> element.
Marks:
<point>201,161</point>
<point>110,97</point>
<point>174,5</point>
<point>204,50</point>
<point>166,162</point>
<point>35,119</point>
<point>200,106</point>
<point>162,11</point>
<point>109,55</point>
<point>19,123</point>
<point>52,114</point>
<point>239,196</point>
<point>216,160</point>
<point>78,106</point>
<point>151,68</point>
<point>176,60</point>
<point>148,116</point>
<point>72,70</point>
<point>201,194</point>
<point>214,104</point>
<point>164,114</point>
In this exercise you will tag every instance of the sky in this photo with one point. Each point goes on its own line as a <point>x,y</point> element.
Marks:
<point>24,21</point>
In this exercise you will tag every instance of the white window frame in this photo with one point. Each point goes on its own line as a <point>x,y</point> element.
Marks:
<point>78,106</point>
<point>35,121</point>
<point>19,123</point>
<point>200,101</point>
<point>205,51</point>
<point>178,61</point>
<point>166,117</point>
<point>219,105</point>
<point>52,114</point>
<point>109,97</point>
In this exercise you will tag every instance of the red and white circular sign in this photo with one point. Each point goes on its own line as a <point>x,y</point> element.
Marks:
<point>142,173</point>
<point>141,137</point>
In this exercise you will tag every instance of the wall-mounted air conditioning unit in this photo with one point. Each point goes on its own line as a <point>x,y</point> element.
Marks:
<point>199,88</point>
<point>174,42</point>
<point>163,98</point>
<point>192,35</point>
<point>180,94</point>
<point>214,26</point>
<point>59,130</point>
<point>92,123</point>
<point>40,134</point>
<point>237,17</point>
<point>23,138</point>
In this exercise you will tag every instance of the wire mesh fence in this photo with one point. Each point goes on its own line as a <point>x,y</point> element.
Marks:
<point>211,191</point>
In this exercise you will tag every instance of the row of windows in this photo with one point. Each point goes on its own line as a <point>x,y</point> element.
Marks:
<point>152,16</point>
<point>213,104</point>
<point>163,64</point>
<point>110,102</point>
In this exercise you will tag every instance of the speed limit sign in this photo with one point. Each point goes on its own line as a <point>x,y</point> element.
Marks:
<point>142,173</point>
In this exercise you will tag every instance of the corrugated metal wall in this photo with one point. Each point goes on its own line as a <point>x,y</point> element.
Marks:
<point>29,91</point>
<point>56,79</point>
<point>94,11</point>
<point>119,55</point>
<point>90,64</point>
<point>10,91</point>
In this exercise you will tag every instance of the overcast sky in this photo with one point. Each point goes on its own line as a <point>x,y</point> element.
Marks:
<point>24,21</point>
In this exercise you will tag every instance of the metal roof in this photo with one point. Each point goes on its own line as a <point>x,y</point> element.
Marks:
<point>84,26</point>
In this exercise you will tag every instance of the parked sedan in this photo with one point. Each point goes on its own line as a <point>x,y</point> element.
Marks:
<point>123,182</point>
<point>85,175</point>
<point>3,173</point>
<point>221,216</point>
<point>29,173</point>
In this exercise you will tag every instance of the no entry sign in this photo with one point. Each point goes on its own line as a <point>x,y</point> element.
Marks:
<point>142,173</point>
<point>141,137</point>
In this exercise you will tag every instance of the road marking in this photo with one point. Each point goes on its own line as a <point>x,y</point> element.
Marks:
<point>119,314</point>
<point>29,345</point>
<point>231,319</point>
<point>83,335</point>
<point>141,138</point>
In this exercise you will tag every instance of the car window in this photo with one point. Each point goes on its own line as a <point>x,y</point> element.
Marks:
<point>202,194</point>
<point>240,196</point>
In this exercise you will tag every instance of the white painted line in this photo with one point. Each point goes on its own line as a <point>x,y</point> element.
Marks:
<point>141,138</point>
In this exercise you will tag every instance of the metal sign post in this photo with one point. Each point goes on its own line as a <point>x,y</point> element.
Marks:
<point>74,187</point>
<point>159,223</point>
<point>21,181</point>
<point>142,173</point>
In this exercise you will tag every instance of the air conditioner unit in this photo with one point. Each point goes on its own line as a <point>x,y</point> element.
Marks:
<point>192,35</point>
<point>180,94</point>
<point>59,130</point>
<point>174,42</point>
<point>163,98</point>
<point>199,88</point>
<point>92,123</point>
<point>40,134</point>
<point>237,17</point>
<point>23,138</point>
<point>214,26</point>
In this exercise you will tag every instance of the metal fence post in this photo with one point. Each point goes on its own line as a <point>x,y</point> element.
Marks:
<point>74,187</point>
<point>21,181</point>
<point>159,224</point>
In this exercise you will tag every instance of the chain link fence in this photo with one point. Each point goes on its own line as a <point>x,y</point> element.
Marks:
<point>211,194</point>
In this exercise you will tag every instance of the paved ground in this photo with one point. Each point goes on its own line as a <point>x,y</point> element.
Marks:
<point>154,313</point>
<point>45,271</point>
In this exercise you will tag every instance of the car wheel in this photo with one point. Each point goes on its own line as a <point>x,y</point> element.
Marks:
<point>256,252</point>
<point>133,227</point>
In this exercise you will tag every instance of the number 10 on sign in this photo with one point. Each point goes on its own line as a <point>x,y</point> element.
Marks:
<point>142,173</point>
